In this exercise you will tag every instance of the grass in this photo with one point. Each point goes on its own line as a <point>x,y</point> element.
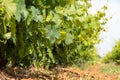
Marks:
<point>84,66</point>
<point>110,68</point>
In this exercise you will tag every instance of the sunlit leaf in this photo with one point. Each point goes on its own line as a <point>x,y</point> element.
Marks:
<point>7,35</point>
<point>10,7</point>
<point>69,38</point>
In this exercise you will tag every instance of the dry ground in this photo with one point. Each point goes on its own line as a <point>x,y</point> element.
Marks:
<point>93,72</point>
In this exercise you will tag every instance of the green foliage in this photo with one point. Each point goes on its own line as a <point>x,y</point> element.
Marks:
<point>114,55</point>
<point>50,32</point>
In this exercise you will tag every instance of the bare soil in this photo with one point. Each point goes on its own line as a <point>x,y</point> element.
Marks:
<point>93,72</point>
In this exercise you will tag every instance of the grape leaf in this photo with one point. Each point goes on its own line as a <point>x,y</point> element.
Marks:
<point>52,33</point>
<point>34,15</point>
<point>20,8</point>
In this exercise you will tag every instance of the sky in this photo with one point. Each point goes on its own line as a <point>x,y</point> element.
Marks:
<point>113,25</point>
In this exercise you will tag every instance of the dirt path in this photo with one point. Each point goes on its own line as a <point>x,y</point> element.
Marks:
<point>95,72</point>
<point>91,73</point>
